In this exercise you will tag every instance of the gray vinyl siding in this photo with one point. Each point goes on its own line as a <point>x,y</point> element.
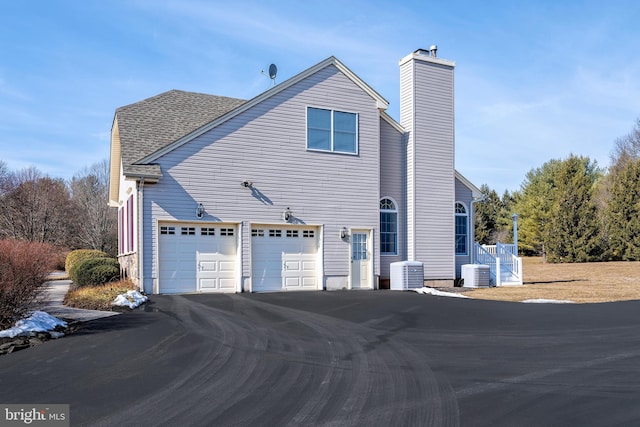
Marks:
<point>393,165</point>
<point>406,119</point>
<point>431,141</point>
<point>464,195</point>
<point>267,145</point>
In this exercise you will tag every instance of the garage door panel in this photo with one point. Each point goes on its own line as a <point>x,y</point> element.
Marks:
<point>227,284</point>
<point>227,267</point>
<point>284,258</point>
<point>293,266</point>
<point>208,284</point>
<point>310,282</point>
<point>197,258</point>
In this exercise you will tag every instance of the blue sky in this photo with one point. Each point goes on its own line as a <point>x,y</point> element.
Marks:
<point>535,80</point>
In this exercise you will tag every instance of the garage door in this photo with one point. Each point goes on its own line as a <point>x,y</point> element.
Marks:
<point>284,258</point>
<point>197,258</point>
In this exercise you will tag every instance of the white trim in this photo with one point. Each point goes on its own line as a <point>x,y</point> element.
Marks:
<point>140,243</point>
<point>426,58</point>
<point>475,190</point>
<point>380,102</point>
<point>390,120</point>
<point>332,131</point>
<point>397,212</point>
<point>467,215</point>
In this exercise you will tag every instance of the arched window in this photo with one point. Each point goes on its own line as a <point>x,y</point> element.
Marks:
<point>462,229</point>
<point>388,227</point>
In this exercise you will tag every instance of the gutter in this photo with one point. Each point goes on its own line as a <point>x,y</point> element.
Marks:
<point>140,233</point>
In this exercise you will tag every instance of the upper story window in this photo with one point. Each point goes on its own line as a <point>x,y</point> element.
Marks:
<point>388,227</point>
<point>462,229</point>
<point>329,130</point>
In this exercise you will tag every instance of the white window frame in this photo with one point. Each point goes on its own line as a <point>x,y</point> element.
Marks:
<point>332,132</point>
<point>465,215</point>
<point>394,211</point>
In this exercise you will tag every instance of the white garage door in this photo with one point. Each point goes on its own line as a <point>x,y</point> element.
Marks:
<point>284,258</point>
<point>197,258</point>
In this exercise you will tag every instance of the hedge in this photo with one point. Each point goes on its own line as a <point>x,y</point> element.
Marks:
<point>78,255</point>
<point>96,271</point>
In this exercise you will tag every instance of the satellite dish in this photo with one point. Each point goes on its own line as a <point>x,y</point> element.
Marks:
<point>273,70</point>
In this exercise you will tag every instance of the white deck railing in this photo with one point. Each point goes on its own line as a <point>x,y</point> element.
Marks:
<point>504,264</point>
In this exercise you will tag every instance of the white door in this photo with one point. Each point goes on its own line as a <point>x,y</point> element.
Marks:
<point>360,261</point>
<point>197,258</point>
<point>284,258</point>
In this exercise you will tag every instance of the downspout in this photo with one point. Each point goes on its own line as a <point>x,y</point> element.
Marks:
<point>140,234</point>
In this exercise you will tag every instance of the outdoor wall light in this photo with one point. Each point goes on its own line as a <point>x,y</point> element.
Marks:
<point>287,214</point>
<point>344,233</point>
<point>200,210</point>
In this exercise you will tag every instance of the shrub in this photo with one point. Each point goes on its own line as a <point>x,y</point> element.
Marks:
<point>24,267</point>
<point>95,271</point>
<point>60,259</point>
<point>78,255</point>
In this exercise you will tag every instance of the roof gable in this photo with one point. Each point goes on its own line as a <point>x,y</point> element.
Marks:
<point>196,131</point>
<point>149,125</point>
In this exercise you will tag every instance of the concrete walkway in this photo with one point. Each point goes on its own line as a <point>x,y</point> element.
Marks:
<point>52,297</point>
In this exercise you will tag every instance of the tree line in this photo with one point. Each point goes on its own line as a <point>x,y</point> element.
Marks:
<point>571,210</point>
<point>67,214</point>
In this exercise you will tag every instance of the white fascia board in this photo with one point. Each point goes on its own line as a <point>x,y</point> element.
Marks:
<point>387,118</point>
<point>475,190</point>
<point>380,102</point>
<point>115,162</point>
<point>426,58</point>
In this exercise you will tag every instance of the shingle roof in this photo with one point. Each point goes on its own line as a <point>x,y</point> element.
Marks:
<point>151,124</point>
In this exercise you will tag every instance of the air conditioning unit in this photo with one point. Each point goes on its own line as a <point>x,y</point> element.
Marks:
<point>407,275</point>
<point>476,276</point>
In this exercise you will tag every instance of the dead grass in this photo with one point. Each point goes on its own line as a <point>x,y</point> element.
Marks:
<point>97,297</point>
<point>581,283</point>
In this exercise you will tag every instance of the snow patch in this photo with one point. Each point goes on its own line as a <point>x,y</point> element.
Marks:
<point>431,291</point>
<point>547,301</point>
<point>131,299</point>
<point>39,321</point>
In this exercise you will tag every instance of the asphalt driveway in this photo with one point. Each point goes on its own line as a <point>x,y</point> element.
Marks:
<point>339,359</point>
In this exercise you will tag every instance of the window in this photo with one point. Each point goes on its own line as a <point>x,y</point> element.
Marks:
<point>256,232</point>
<point>359,247</point>
<point>226,231</point>
<point>308,233</point>
<point>275,233</point>
<point>329,130</point>
<point>188,231</point>
<point>292,233</point>
<point>461,229</point>
<point>167,230</point>
<point>206,231</point>
<point>388,227</point>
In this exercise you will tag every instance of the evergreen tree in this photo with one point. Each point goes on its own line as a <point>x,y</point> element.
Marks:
<point>493,217</point>
<point>574,233</point>
<point>486,216</point>
<point>533,204</point>
<point>623,212</point>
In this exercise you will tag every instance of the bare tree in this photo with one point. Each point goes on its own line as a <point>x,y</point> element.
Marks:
<point>4,176</point>
<point>97,224</point>
<point>34,207</point>
<point>626,148</point>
